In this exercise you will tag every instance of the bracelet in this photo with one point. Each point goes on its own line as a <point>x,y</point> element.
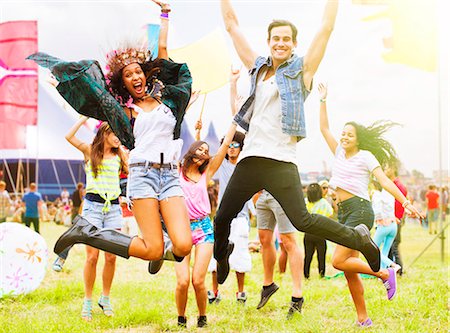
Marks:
<point>164,15</point>
<point>323,100</point>
<point>406,203</point>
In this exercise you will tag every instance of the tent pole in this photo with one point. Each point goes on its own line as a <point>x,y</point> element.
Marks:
<point>10,176</point>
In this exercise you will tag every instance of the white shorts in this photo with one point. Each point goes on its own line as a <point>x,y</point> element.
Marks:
<point>240,259</point>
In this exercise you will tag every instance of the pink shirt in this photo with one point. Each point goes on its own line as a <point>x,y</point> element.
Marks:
<point>196,195</point>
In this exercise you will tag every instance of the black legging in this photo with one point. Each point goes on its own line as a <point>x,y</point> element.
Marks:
<point>282,180</point>
<point>312,243</point>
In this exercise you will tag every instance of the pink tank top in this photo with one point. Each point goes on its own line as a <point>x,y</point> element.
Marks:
<point>196,195</point>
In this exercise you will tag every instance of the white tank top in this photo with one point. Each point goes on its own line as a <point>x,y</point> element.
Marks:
<point>153,133</point>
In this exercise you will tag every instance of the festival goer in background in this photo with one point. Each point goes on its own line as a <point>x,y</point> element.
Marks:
<point>5,202</point>
<point>33,202</point>
<point>359,154</point>
<point>268,214</point>
<point>240,260</point>
<point>444,202</point>
<point>77,201</point>
<point>329,195</point>
<point>104,161</point>
<point>145,108</point>
<point>394,254</point>
<point>130,226</point>
<point>383,204</point>
<point>65,195</point>
<point>197,169</point>
<point>432,200</point>
<point>268,161</point>
<point>317,204</point>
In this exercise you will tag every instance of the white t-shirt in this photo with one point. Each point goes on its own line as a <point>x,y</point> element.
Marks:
<point>383,204</point>
<point>225,171</point>
<point>353,174</point>
<point>153,133</point>
<point>265,137</point>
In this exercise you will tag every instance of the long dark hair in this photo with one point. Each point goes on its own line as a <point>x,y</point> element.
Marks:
<point>151,70</point>
<point>190,155</point>
<point>97,147</point>
<point>371,138</point>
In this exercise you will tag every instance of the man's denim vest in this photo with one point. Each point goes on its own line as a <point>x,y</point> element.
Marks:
<point>289,78</point>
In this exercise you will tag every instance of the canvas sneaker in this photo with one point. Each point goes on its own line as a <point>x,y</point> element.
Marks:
<point>241,297</point>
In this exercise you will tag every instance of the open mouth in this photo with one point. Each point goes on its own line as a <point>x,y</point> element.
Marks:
<point>138,88</point>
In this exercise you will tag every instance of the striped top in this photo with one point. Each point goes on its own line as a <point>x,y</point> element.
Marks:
<point>106,185</point>
<point>353,174</point>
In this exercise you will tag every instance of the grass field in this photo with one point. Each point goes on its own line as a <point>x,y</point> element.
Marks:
<point>145,303</point>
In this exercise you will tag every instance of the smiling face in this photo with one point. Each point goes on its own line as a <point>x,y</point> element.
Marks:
<point>281,43</point>
<point>349,140</point>
<point>134,80</point>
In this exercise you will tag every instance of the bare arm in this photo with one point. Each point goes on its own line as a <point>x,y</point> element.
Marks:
<point>234,77</point>
<point>243,49</point>
<point>217,160</point>
<point>318,46</point>
<point>324,127</point>
<point>77,143</point>
<point>163,30</point>
<point>389,186</point>
<point>198,129</point>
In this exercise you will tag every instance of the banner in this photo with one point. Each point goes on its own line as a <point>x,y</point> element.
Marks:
<point>18,82</point>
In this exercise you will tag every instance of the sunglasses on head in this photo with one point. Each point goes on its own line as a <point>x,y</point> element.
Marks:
<point>234,145</point>
<point>324,187</point>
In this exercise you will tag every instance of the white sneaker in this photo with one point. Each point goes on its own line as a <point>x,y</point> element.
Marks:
<point>241,297</point>
<point>58,264</point>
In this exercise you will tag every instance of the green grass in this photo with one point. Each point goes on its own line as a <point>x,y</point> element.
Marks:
<point>145,303</point>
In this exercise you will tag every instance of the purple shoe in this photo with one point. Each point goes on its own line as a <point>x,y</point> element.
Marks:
<point>365,323</point>
<point>391,284</point>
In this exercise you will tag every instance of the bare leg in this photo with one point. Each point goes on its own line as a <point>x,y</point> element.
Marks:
<point>203,255</point>
<point>175,215</point>
<point>215,284</point>
<point>181,292</point>
<point>295,257</point>
<point>269,254</point>
<point>282,259</point>
<point>108,272</point>
<point>240,277</point>
<point>90,270</point>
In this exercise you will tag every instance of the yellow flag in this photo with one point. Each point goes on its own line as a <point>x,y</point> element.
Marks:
<point>208,60</point>
<point>414,33</point>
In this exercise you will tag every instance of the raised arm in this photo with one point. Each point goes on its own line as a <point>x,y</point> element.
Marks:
<point>163,30</point>
<point>217,160</point>
<point>324,127</point>
<point>77,143</point>
<point>318,46</point>
<point>234,77</point>
<point>243,49</point>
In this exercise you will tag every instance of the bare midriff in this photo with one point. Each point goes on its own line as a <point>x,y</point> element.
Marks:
<point>343,195</point>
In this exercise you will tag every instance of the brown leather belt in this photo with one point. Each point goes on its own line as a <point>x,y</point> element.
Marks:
<point>154,165</point>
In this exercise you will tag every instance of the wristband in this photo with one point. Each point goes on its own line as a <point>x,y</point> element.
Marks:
<point>164,15</point>
<point>323,100</point>
<point>406,203</point>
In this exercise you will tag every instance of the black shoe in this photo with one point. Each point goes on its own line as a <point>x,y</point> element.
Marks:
<point>182,321</point>
<point>154,266</point>
<point>201,321</point>
<point>295,307</point>
<point>368,247</point>
<point>266,294</point>
<point>108,240</point>
<point>223,265</point>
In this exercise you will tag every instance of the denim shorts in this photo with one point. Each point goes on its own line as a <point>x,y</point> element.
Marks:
<point>151,183</point>
<point>92,211</point>
<point>202,231</point>
<point>355,211</point>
